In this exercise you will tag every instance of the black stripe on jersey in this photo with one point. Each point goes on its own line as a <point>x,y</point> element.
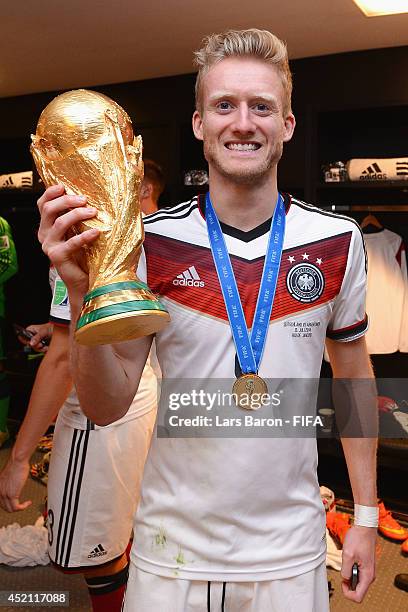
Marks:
<point>85,435</point>
<point>207,247</point>
<point>254,233</point>
<point>348,332</point>
<point>58,321</point>
<point>64,497</point>
<point>171,213</point>
<point>89,425</point>
<point>170,210</point>
<point>370,229</point>
<point>208,596</point>
<point>224,584</point>
<point>328,213</point>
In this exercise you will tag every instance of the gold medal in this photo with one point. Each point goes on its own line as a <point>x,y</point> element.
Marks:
<point>248,387</point>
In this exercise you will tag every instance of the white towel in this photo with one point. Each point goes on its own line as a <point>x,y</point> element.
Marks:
<point>333,555</point>
<point>24,546</point>
<point>388,169</point>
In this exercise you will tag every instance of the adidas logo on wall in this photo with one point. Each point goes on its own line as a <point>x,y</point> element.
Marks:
<point>189,278</point>
<point>17,180</point>
<point>373,172</point>
<point>402,168</point>
<point>99,551</point>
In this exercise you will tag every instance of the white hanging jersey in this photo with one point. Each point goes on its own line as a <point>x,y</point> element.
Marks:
<point>145,399</point>
<point>403,341</point>
<point>387,290</point>
<point>236,508</point>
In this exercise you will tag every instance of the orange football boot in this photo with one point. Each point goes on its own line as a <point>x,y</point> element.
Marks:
<point>389,527</point>
<point>338,523</point>
<point>404,548</point>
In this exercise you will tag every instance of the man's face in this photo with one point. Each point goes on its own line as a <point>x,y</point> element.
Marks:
<point>242,122</point>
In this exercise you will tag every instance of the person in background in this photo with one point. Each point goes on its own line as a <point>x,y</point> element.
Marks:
<point>152,187</point>
<point>8,267</point>
<point>90,526</point>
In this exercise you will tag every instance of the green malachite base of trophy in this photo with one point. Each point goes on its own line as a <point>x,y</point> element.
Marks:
<point>119,311</point>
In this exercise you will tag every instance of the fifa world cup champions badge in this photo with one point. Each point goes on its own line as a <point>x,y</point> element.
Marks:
<point>85,141</point>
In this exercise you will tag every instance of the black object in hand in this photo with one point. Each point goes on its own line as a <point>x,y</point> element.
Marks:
<point>27,334</point>
<point>354,577</point>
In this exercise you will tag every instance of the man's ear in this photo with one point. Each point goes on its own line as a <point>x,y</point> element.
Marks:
<point>290,123</point>
<point>197,125</point>
<point>146,190</point>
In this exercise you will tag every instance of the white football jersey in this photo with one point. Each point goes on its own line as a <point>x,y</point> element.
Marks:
<point>387,292</point>
<point>71,412</point>
<point>243,509</point>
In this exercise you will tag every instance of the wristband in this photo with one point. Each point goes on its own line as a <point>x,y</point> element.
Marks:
<point>366,516</point>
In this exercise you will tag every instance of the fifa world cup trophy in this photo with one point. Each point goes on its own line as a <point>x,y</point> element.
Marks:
<point>85,141</point>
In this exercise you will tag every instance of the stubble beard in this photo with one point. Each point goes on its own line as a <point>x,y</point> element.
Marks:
<point>245,175</point>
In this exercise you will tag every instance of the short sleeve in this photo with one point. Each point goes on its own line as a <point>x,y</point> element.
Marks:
<point>60,312</point>
<point>349,320</point>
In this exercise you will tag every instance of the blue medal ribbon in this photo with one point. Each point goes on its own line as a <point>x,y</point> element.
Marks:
<point>249,348</point>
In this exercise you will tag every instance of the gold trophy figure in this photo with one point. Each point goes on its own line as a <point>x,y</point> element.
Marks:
<point>85,141</point>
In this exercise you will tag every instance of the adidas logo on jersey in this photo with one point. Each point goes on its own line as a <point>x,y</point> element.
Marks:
<point>373,172</point>
<point>99,551</point>
<point>189,278</point>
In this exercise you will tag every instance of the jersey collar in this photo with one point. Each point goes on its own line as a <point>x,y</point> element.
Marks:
<point>252,234</point>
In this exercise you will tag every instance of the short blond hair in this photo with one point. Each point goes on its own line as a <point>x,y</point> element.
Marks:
<point>260,44</point>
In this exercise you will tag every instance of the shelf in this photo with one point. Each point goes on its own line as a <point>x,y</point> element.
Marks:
<point>364,185</point>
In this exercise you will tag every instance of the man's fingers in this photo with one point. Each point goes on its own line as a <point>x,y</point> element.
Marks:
<point>62,251</point>
<point>24,505</point>
<point>346,565</point>
<point>53,209</point>
<point>366,577</point>
<point>17,506</point>
<point>37,345</point>
<point>358,594</point>
<point>56,234</point>
<point>51,192</point>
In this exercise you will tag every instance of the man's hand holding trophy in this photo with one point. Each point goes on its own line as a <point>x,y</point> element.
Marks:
<point>84,141</point>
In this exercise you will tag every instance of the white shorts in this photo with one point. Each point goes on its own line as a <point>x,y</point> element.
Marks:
<point>93,490</point>
<point>147,592</point>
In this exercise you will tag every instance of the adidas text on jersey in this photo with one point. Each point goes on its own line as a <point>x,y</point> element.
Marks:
<point>189,278</point>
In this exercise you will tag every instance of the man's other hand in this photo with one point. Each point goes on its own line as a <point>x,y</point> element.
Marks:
<point>42,332</point>
<point>12,480</point>
<point>359,547</point>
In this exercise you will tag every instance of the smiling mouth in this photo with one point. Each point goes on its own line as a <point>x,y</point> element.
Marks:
<point>243,146</point>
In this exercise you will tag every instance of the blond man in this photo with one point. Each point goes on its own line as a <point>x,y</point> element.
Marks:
<point>234,523</point>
